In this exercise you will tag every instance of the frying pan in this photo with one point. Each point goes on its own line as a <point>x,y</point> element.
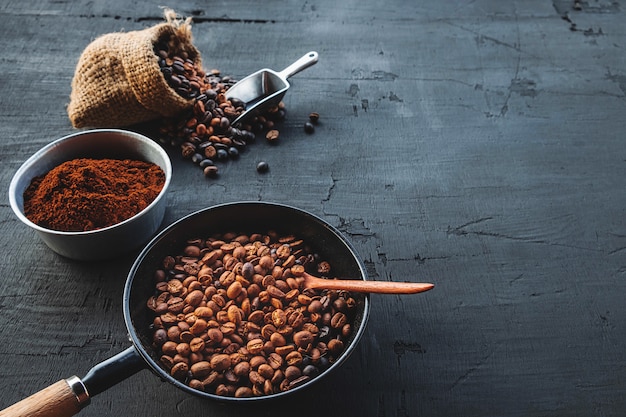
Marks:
<point>68,396</point>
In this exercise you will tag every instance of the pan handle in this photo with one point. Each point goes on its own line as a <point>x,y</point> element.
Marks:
<point>113,371</point>
<point>67,397</point>
<point>301,64</point>
<point>61,399</point>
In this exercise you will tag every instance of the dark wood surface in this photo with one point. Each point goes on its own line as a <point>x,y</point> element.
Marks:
<point>476,145</point>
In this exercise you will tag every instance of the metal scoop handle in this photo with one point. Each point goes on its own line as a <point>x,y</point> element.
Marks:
<point>301,64</point>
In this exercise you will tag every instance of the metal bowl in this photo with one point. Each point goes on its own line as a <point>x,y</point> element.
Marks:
<point>107,242</point>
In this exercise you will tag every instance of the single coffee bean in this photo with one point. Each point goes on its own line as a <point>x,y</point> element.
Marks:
<point>194,298</point>
<point>243,392</point>
<point>303,338</point>
<point>210,171</point>
<point>338,320</point>
<point>278,339</point>
<point>242,369</point>
<point>235,315</point>
<point>220,362</point>
<point>299,381</point>
<point>179,370</point>
<point>160,337</point>
<point>309,128</point>
<point>272,135</point>
<point>293,372</point>
<point>222,154</point>
<point>310,371</point>
<point>196,344</point>
<point>233,152</point>
<point>294,358</point>
<point>201,369</point>
<point>256,361</point>
<point>266,371</point>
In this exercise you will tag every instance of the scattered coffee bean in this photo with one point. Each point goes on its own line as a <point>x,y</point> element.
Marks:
<point>232,318</point>
<point>272,135</point>
<point>206,131</point>
<point>233,152</point>
<point>210,171</point>
<point>309,128</point>
<point>262,167</point>
<point>314,117</point>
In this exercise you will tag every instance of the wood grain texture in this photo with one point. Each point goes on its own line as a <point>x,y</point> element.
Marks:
<point>57,400</point>
<point>476,145</point>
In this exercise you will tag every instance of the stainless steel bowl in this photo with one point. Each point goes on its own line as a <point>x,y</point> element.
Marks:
<point>107,242</point>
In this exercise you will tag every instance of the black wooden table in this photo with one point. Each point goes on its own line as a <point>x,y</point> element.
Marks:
<point>477,145</point>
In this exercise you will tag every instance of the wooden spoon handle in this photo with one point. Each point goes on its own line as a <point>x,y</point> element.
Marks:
<point>381,287</point>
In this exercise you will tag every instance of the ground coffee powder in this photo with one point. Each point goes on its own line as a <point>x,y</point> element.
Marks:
<point>87,194</point>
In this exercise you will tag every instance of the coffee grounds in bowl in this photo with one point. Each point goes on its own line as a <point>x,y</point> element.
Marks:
<point>88,194</point>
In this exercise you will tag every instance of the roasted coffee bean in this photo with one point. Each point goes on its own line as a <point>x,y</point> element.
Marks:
<point>262,167</point>
<point>294,358</point>
<point>338,320</point>
<point>160,337</point>
<point>194,298</point>
<point>256,361</point>
<point>234,289</point>
<point>303,338</point>
<point>309,128</point>
<point>299,381</point>
<point>220,362</point>
<point>224,390</point>
<point>222,154</point>
<point>210,171</point>
<point>242,369</point>
<point>243,392</point>
<point>255,346</point>
<point>231,316</point>
<point>335,346</point>
<point>233,152</point>
<point>201,369</point>
<point>179,370</point>
<point>272,135</point>
<point>293,372</point>
<point>310,371</point>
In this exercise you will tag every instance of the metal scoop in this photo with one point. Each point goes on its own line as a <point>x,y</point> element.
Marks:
<point>266,88</point>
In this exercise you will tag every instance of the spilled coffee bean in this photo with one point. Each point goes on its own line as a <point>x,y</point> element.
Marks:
<point>205,133</point>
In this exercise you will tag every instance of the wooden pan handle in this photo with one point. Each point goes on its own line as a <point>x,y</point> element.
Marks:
<point>62,399</point>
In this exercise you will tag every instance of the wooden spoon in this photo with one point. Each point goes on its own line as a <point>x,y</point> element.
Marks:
<point>357,285</point>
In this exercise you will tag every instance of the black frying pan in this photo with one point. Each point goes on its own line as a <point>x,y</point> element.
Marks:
<point>67,397</point>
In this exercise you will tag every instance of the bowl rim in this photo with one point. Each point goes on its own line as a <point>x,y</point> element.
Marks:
<point>42,151</point>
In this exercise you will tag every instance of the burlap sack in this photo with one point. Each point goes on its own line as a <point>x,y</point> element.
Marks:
<point>118,81</point>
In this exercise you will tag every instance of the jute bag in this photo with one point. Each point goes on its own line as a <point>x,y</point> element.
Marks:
<point>118,81</point>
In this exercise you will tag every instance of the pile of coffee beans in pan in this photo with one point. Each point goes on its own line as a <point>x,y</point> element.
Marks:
<point>205,134</point>
<point>232,318</point>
